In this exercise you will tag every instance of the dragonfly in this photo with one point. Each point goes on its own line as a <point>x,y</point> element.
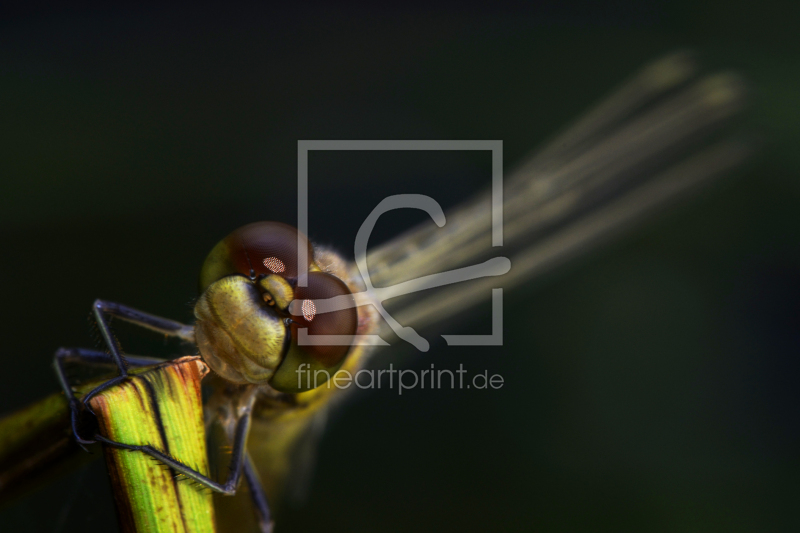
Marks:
<point>652,141</point>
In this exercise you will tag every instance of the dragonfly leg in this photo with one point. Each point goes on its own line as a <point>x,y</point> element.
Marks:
<point>236,467</point>
<point>88,357</point>
<point>91,358</point>
<point>258,496</point>
<point>102,310</point>
<point>155,323</point>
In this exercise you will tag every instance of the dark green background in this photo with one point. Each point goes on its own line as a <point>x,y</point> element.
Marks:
<point>652,386</point>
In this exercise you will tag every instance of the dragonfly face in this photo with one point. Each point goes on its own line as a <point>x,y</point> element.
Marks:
<point>246,330</point>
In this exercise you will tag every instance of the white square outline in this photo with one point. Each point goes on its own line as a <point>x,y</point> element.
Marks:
<point>496,147</point>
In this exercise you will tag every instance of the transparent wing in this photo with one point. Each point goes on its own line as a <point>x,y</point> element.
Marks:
<point>653,140</point>
<point>582,234</point>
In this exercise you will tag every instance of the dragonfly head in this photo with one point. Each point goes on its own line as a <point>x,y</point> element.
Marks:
<point>260,308</point>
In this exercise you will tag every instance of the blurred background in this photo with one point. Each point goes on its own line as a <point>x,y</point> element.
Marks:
<point>651,386</point>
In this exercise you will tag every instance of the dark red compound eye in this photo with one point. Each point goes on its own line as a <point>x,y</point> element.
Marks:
<point>309,314</point>
<point>261,248</point>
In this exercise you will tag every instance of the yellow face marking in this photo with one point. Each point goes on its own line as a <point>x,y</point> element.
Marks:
<point>277,290</point>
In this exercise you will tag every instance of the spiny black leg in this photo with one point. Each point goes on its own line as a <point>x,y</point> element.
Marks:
<point>258,496</point>
<point>168,327</point>
<point>86,357</point>
<point>102,309</point>
<point>99,310</point>
<point>144,320</point>
<point>235,468</point>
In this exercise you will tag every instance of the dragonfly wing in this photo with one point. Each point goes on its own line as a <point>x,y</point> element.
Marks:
<point>604,173</point>
<point>581,235</point>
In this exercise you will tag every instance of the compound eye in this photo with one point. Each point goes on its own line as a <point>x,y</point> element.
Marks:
<point>261,248</point>
<point>309,310</point>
